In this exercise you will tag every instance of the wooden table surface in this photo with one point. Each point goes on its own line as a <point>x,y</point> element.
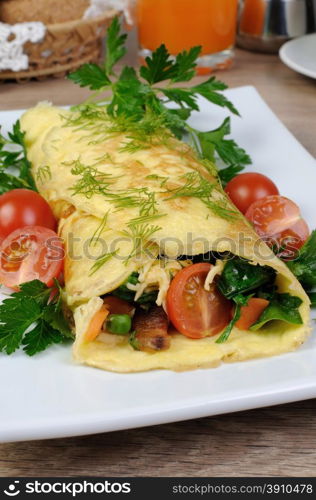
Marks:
<point>273,441</point>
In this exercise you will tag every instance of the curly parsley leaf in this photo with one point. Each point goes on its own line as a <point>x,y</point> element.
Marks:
<point>186,64</point>
<point>91,76</point>
<point>159,67</point>
<point>115,46</point>
<point>211,91</point>
<point>30,318</point>
<point>15,169</point>
<point>128,95</point>
<point>228,173</point>
<point>40,337</point>
<point>138,109</point>
<point>227,150</point>
<point>181,97</point>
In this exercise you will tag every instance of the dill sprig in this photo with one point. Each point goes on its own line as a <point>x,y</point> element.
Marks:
<point>197,186</point>
<point>144,219</point>
<point>102,260</point>
<point>43,174</point>
<point>140,235</point>
<point>91,181</point>
<point>100,229</point>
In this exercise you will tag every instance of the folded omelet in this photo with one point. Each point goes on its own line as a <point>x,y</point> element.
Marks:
<point>122,203</point>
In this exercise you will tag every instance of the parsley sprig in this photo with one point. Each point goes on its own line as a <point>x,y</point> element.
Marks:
<point>137,105</point>
<point>15,169</point>
<point>32,319</point>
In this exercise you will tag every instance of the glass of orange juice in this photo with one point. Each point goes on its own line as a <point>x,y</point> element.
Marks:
<point>182,24</point>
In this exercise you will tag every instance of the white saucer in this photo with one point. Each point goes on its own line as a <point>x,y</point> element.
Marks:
<point>300,54</point>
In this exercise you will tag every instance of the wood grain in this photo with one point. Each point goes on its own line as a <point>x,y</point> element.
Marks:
<point>273,441</point>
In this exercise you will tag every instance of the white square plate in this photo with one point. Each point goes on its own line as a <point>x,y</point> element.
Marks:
<point>48,396</point>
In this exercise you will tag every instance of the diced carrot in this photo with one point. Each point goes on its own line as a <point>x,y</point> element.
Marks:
<point>96,323</point>
<point>250,313</point>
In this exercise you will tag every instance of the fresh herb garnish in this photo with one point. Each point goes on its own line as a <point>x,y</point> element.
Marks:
<point>228,151</point>
<point>33,319</point>
<point>43,174</point>
<point>15,169</point>
<point>138,109</point>
<point>102,260</point>
<point>195,185</point>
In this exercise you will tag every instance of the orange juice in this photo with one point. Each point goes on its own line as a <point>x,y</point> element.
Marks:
<point>181,24</point>
<point>252,20</point>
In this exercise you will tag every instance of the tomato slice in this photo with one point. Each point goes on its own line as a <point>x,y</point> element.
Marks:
<point>194,311</point>
<point>250,313</point>
<point>245,189</point>
<point>278,221</point>
<point>33,252</point>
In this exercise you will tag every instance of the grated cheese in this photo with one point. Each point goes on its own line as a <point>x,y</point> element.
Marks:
<point>157,275</point>
<point>217,269</point>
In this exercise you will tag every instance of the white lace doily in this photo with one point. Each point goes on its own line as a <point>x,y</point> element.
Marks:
<point>98,7</point>
<point>12,40</point>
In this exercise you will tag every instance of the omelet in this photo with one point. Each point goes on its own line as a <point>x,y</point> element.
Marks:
<point>121,205</point>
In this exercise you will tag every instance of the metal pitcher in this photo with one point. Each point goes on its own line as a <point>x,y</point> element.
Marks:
<point>264,25</point>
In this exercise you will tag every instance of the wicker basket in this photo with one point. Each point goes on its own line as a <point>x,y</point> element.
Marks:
<point>66,46</point>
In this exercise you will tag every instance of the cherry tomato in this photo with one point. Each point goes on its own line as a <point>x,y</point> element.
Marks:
<point>245,189</point>
<point>22,207</point>
<point>30,253</point>
<point>278,221</point>
<point>194,311</point>
<point>250,313</point>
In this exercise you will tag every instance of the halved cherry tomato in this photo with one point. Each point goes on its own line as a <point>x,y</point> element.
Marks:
<point>278,221</point>
<point>96,324</point>
<point>194,311</point>
<point>115,305</point>
<point>250,313</point>
<point>245,189</point>
<point>23,207</point>
<point>30,253</point>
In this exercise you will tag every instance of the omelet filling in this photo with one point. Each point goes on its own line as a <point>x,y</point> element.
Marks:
<point>142,312</point>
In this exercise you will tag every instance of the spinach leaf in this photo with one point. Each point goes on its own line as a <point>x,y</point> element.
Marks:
<point>304,267</point>
<point>241,277</point>
<point>312,297</point>
<point>282,307</point>
<point>123,292</point>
